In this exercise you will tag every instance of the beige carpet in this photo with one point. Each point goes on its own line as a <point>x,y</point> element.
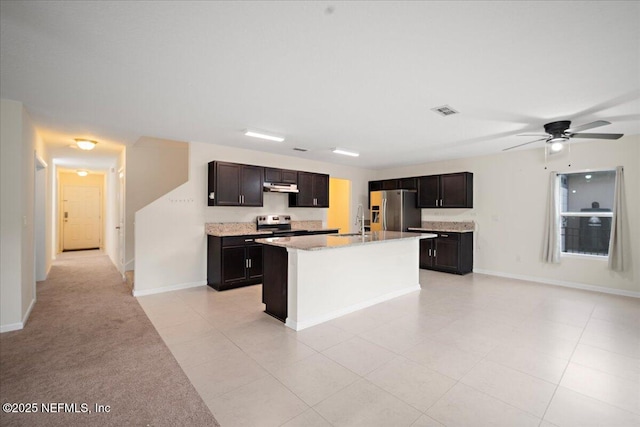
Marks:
<point>89,341</point>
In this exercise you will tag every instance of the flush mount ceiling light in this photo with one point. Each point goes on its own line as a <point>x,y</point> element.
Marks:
<point>82,172</point>
<point>262,135</point>
<point>85,144</point>
<point>345,152</point>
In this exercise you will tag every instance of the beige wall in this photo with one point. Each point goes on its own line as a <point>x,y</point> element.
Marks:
<point>19,141</point>
<point>153,167</point>
<point>510,191</point>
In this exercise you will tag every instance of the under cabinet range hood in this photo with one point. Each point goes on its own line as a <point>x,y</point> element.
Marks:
<point>274,187</point>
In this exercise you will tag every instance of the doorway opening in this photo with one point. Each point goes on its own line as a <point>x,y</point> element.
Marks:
<point>339,210</point>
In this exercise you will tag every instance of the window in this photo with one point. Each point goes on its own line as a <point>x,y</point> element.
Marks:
<point>586,204</point>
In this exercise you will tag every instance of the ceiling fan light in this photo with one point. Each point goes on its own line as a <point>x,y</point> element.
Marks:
<point>85,144</point>
<point>556,146</point>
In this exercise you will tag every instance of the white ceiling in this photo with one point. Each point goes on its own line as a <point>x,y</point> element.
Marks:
<point>356,75</point>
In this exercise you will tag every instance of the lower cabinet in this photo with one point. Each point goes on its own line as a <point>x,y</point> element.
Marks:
<point>236,261</point>
<point>275,286</point>
<point>449,252</point>
<point>233,261</point>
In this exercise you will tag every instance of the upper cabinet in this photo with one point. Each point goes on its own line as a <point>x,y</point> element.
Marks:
<point>313,191</point>
<point>394,184</point>
<point>453,190</point>
<point>232,184</point>
<point>280,176</point>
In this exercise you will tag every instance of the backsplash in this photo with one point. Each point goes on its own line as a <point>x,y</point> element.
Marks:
<point>449,225</point>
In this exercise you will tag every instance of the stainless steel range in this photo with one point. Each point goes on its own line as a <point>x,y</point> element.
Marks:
<point>280,225</point>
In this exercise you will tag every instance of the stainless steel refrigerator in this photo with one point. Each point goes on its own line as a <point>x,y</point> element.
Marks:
<point>393,210</point>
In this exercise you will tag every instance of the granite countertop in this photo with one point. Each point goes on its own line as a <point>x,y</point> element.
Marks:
<point>328,241</point>
<point>228,229</point>
<point>450,226</point>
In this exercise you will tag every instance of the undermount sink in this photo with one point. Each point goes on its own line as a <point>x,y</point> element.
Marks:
<point>350,235</point>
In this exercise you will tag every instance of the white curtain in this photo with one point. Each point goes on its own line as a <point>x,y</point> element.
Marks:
<point>616,249</point>
<point>551,244</point>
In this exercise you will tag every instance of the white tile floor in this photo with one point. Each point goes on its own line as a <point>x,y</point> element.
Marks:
<point>470,350</point>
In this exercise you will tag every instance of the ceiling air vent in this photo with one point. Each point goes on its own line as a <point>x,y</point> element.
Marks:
<point>300,149</point>
<point>444,110</point>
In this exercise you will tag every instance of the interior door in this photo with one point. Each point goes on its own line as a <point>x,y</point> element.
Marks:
<point>82,221</point>
<point>120,226</point>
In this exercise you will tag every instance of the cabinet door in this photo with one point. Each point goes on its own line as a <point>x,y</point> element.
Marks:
<point>321,190</point>
<point>252,182</point>
<point>454,190</point>
<point>426,253</point>
<point>390,184</point>
<point>446,250</point>
<point>272,175</point>
<point>227,184</point>
<point>254,255</point>
<point>305,196</point>
<point>428,191</point>
<point>289,177</point>
<point>408,183</point>
<point>375,185</point>
<point>234,265</point>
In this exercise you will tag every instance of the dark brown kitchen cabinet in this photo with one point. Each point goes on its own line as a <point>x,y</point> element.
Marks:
<point>454,190</point>
<point>449,252</point>
<point>233,184</point>
<point>275,285</point>
<point>233,261</point>
<point>280,176</point>
<point>313,191</point>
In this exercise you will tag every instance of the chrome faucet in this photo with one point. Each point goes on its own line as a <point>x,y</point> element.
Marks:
<point>360,219</point>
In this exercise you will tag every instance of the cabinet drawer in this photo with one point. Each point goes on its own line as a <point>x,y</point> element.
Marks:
<point>451,236</point>
<point>240,240</point>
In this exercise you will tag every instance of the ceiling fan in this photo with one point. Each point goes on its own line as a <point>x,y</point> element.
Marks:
<point>559,132</point>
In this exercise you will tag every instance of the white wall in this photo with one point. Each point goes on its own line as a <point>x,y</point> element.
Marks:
<point>153,167</point>
<point>171,245</point>
<point>18,142</point>
<point>510,191</point>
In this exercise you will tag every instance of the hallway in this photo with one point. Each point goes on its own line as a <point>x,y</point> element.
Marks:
<point>89,342</point>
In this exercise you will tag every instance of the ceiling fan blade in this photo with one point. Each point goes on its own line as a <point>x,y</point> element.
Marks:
<point>526,143</point>
<point>586,126</point>
<point>598,135</point>
<point>533,134</point>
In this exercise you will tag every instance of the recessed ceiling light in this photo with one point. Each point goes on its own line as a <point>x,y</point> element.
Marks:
<point>82,172</point>
<point>588,176</point>
<point>345,152</point>
<point>85,144</point>
<point>263,135</point>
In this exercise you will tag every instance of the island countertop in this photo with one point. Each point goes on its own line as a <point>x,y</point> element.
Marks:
<point>329,241</point>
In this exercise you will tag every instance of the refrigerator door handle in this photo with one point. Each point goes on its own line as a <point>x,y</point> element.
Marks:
<point>384,214</point>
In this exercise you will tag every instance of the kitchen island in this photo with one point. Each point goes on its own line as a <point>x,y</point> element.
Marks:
<point>312,279</point>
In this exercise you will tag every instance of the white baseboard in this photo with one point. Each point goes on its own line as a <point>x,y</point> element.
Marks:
<point>169,288</point>
<point>298,326</point>
<point>20,325</point>
<point>11,327</point>
<point>563,283</point>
